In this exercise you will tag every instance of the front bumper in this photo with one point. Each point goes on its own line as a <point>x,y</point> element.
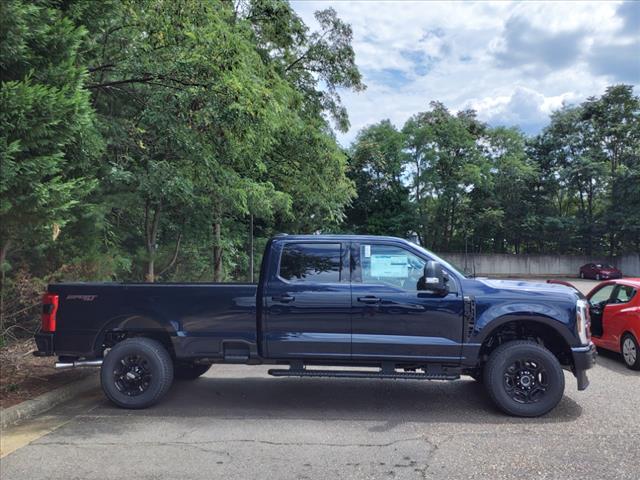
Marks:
<point>44,343</point>
<point>584,358</point>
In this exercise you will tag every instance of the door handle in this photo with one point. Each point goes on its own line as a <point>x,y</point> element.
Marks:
<point>283,298</point>
<point>369,299</point>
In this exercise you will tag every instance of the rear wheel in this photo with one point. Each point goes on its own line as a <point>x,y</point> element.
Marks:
<point>524,379</point>
<point>189,371</point>
<point>136,373</point>
<point>582,275</point>
<point>630,352</point>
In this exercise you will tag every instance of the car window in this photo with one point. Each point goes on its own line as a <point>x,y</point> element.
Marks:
<point>311,262</point>
<point>624,294</point>
<point>602,295</point>
<point>386,264</point>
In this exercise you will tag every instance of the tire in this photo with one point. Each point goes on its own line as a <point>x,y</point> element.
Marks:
<point>582,275</point>
<point>630,351</point>
<point>514,362</point>
<point>189,371</point>
<point>598,276</point>
<point>136,373</point>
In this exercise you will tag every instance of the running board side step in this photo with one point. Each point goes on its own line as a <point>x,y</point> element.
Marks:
<point>361,374</point>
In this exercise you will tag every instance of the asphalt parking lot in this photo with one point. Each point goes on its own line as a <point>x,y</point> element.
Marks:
<point>239,423</point>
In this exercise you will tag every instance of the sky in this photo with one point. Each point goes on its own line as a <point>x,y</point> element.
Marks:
<point>513,62</point>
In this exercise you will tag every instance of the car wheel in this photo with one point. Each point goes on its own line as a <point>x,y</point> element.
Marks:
<point>582,275</point>
<point>524,379</point>
<point>189,371</point>
<point>630,352</point>
<point>136,373</point>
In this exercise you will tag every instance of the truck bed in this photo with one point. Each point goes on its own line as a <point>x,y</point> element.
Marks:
<point>207,317</point>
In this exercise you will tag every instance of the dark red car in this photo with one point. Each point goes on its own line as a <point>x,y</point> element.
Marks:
<point>600,271</point>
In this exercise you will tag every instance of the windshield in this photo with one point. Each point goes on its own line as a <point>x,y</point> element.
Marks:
<point>444,263</point>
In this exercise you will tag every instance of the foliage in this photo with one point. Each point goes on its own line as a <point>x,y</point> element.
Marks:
<point>462,185</point>
<point>146,139</point>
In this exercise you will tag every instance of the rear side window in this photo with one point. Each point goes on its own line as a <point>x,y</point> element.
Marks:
<point>625,293</point>
<point>311,262</point>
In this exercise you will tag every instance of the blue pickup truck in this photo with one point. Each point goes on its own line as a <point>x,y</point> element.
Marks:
<point>380,306</point>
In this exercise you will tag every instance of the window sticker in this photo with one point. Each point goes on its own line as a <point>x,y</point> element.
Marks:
<point>395,266</point>
<point>367,251</point>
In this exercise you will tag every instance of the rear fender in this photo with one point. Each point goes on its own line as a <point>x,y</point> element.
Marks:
<point>139,323</point>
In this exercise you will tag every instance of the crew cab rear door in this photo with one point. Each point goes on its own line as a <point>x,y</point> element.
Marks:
<point>391,317</point>
<point>308,301</point>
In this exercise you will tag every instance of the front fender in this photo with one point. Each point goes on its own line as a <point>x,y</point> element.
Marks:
<point>560,319</point>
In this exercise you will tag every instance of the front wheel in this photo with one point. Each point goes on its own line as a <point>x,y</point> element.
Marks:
<point>136,373</point>
<point>524,379</point>
<point>598,276</point>
<point>630,352</point>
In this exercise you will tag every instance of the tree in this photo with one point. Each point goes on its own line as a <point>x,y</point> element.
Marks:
<point>377,167</point>
<point>47,127</point>
<point>447,165</point>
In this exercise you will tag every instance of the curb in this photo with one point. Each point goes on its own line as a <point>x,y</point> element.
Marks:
<point>42,403</point>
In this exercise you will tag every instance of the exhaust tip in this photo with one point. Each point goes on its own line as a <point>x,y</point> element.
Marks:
<point>79,364</point>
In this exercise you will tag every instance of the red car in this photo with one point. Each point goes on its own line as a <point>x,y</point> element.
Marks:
<point>615,318</point>
<point>599,271</point>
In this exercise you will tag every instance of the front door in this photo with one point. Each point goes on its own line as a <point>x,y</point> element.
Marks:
<point>308,302</point>
<point>597,304</point>
<point>391,317</point>
<point>616,315</point>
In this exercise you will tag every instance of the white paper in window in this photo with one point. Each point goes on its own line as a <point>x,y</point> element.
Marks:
<point>367,251</point>
<point>395,266</point>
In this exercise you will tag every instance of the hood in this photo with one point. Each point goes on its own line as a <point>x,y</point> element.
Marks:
<point>532,287</point>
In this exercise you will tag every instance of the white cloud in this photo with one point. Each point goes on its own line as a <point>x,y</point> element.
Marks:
<point>515,62</point>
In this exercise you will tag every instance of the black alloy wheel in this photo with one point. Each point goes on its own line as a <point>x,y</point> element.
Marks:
<point>524,379</point>
<point>132,375</point>
<point>136,373</point>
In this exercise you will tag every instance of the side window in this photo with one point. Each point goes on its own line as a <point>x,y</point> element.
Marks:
<point>311,262</point>
<point>602,295</point>
<point>390,265</point>
<point>624,294</point>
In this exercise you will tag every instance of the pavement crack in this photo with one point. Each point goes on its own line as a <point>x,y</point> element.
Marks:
<point>253,441</point>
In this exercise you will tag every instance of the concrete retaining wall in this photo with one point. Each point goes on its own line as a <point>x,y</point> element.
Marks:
<point>537,265</point>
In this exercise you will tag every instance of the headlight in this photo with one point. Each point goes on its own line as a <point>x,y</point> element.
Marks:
<point>583,321</point>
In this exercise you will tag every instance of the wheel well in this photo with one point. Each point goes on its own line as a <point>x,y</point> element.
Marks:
<point>528,330</point>
<point>115,336</point>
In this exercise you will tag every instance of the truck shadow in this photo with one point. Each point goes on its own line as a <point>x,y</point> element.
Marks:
<point>390,402</point>
<point>613,361</point>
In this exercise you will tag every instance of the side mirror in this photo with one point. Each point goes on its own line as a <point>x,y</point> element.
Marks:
<point>434,279</point>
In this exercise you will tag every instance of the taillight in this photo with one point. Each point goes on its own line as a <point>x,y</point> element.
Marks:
<point>49,310</point>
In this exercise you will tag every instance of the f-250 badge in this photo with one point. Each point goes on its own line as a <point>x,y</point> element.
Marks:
<point>84,298</point>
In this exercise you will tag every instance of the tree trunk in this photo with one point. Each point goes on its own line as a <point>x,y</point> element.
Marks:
<point>3,257</point>
<point>251,248</point>
<point>217,250</point>
<point>151,237</point>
